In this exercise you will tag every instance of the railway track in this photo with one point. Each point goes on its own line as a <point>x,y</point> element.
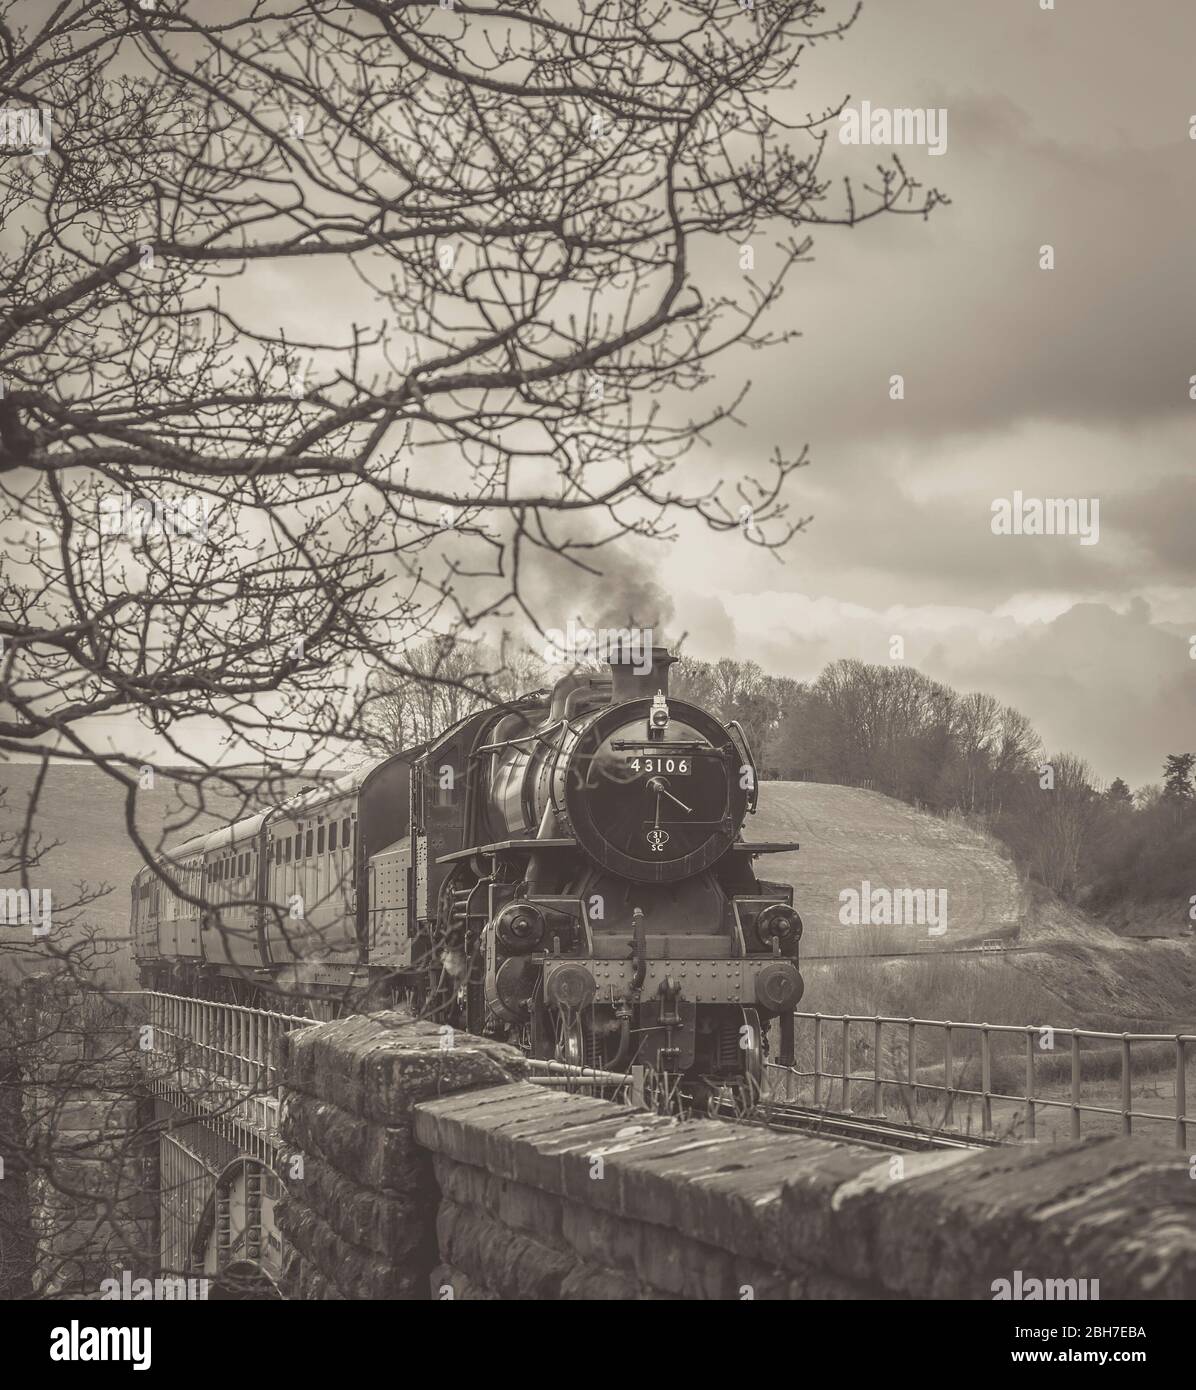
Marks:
<point>882,1134</point>
<point>886,1135</point>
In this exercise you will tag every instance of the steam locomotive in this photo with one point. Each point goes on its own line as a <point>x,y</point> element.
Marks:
<point>567,871</point>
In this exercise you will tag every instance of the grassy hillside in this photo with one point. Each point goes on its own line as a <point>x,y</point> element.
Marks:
<point>89,859</point>
<point>849,835</point>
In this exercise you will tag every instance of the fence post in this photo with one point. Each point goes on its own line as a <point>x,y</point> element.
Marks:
<point>986,1081</point>
<point>1127,1119</point>
<point>846,1067</point>
<point>948,1079</point>
<point>1181,1096</point>
<point>817,1061</point>
<point>912,1050</point>
<point>1075,1083</point>
<point>876,1097</point>
<point>1030,1083</point>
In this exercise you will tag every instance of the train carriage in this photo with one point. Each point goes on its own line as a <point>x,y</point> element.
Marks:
<point>143,913</point>
<point>231,929</point>
<point>311,882</point>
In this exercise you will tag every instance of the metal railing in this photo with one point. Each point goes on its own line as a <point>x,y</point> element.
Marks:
<point>1001,1081</point>
<point>220,1058</point>
<point>931,1069</point>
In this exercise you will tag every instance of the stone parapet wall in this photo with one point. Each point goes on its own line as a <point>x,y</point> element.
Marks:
<point>361,1200</point>
<point>432,1168</point>
<point>553,1196</point>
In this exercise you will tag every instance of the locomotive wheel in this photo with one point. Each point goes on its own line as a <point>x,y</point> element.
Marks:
<point>570,1039</point>
<point>752,1047</point>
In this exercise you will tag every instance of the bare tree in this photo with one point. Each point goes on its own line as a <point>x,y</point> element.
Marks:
<point>449,680</point>
<point>1061,827</point>
<point>230,506</point>
<point>327,324</point>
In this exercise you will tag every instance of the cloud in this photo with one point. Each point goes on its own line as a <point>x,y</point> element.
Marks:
<point>1106,683</point>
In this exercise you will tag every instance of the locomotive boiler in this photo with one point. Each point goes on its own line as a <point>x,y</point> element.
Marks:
<point>568,871</point>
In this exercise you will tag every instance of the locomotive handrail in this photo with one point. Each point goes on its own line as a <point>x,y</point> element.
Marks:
<point>556,842</point>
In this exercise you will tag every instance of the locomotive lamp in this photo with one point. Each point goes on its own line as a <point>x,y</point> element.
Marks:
<point>658,717</point>
<point>520,927</point>
<point>778,927</point>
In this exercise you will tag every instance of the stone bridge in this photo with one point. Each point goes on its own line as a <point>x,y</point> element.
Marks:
<point>431,1168</point>
<point>380,1157</point>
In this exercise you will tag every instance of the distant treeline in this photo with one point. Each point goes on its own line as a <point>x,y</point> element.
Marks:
<point>893,729</point>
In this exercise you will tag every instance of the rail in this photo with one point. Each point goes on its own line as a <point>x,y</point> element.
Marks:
<point>931,1069</point>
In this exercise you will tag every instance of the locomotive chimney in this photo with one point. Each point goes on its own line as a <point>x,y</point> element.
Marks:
<point>638,673</point>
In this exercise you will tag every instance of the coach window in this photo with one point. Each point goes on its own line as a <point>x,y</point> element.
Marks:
<point>320,840</point>
<point>345,832</point>
<point>287,842</point>
<point>298,844</point>
<point>307,846</point>
<point>332,829</point>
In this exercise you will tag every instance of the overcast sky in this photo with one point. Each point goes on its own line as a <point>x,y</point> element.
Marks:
<point>1069,128</point>
<point>1065,127</point>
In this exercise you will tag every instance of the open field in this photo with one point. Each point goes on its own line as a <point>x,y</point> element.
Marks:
<point>848,836</point>
<point>88,858</point>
